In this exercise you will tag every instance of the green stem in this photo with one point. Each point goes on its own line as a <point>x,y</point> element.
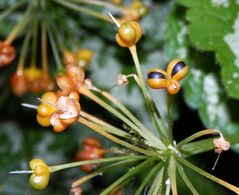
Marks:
<point>158,181</point>
<point>34,41</point>
<point>101,4</point>
<point>99,101</point>
<point>8,11</point>
<point>115,139</point>
<point>23,53</point>
<point>20,25</point>
<point>55,50</point>
<point>101,171</point>
<point>207,175</point>
<point>149,176</point>
<point>186,180</point>
<point>44,40</point>
<point>197,135</point>
<point>84,10</point>
<point>56,168</point>
<point>107,127</point>
<point>149,102</point>
<point>133,171</point>
<point>205,145</point>
<point>172,175</point>
<point>159,144</point>
<point>169,111</point>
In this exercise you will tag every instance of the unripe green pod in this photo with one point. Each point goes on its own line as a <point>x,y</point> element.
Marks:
<point>41,174</point>
<point>39,182</point>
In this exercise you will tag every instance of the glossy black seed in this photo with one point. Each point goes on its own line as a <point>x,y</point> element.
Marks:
<point>156,75</point>
<point>179,66</point>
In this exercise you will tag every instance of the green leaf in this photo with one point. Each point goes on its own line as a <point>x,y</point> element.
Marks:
<point>213,26</point>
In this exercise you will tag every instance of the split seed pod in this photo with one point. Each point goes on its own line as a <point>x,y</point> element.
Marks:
<point>169,79</point>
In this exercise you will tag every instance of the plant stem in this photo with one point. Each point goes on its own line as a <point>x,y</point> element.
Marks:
<point>169,111</point>
<point>99,101</point>
<point>23,53</point>
<point>34,41</point>
<point>144,165</point>
<point>149,102</point>
<point>172,175</point>
<point>44,43</point>
<point>84,10</point>
<point>205,145</point>
<point>8,11</point>
<point>20,26</point>
<point>197,135</point>
<point>101,171</point>
<point>149,176</point>
<point>54,49</point>
<point>56,168</point>
<point>207,175</point>
<point>158,180</point>
<point>115,139</point>
<point>160,144</point>
<point>101,3</point>
<point>110,128</point>
<point>186,180</point>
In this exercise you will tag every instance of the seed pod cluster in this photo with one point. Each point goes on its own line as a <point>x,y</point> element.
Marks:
<point>91,149</point>
<point>68,111</point>
<point>169,79</point>
<point>41,174</point>
<point>128,34</point>
<point>46,108</point>
<point>7,54</point>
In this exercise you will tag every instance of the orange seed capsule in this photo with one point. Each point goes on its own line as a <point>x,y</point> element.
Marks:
<point>7,54</point>
<point>128,34</point>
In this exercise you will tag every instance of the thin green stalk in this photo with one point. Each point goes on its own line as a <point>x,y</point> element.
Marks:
<point>149,176</point>
<point>34,41</point>
<point>169,111</point>
<point>115,139</point>
<point>44,46</point>
<point>45,24</point>
<point>8,11</point>
<point>172,175</point>
<point>165,188</point>
<point>158,185</point>
<point>205,145</point>
<point>101,4</point>
<point>101,171</point>
<point>54,49</point>
<point>197,147</point>
<point>208,175</point>
<point>197,135</point>
<point>56,168</point>
<point>107,127</point>
<point>20,25</point>
<point>160,144</point>
<point>23,53</point>
<point>186,180</point>
<point>149,102</point>
<point>84,10</point>
<point>133,171</point>
<point>157,182</point>
<point>99,101</point>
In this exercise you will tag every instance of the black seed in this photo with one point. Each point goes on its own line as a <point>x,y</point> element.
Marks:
<point>156,75</point>
<point>179,66</point>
